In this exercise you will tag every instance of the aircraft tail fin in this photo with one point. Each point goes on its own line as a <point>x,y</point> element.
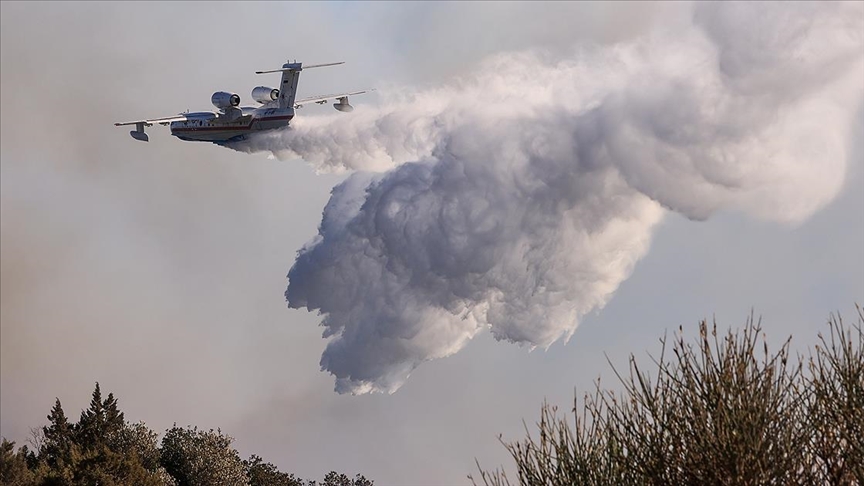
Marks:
<point>290,77</point>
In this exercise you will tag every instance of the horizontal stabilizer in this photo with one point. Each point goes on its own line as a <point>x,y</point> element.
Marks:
<point>298,67</point>
<point>323,99</point>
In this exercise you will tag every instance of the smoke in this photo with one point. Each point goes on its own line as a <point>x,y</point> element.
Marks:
<point>519,197</point>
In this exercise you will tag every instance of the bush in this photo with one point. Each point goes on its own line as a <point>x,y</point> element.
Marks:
<point>720,411</point>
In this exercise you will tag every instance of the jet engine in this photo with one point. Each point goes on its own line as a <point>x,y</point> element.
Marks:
<point>223,100</point>
<point>264,94</point>
<point>343,105</point>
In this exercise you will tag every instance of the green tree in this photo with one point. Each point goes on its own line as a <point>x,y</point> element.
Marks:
<point>97,450</point>
<point>337,479</point>
<point>722,410</point>
<point>196,457</point>
<point>99,423</point>
<point>103,460</point>
<point>59,454</point>
<point>266,474</point>
<point>13,466</point>
<point>139,440</point>
<point>102,448</point>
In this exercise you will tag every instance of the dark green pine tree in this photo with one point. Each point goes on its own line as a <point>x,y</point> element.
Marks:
<point>14,470</point>
<point>100,422</point>
<point>97,434</point>
<point>59,452</point>
<point>114,419</point>
<point>89,430</point>
<point>58,437</point>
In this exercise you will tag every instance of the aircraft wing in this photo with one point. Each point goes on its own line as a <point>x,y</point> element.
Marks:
<point>201,115</point>
<point>151,121</point>
<point>138,133</point>
<point>323,99</point>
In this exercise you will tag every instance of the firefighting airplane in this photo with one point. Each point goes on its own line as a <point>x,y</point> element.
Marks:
<point>234,122</point>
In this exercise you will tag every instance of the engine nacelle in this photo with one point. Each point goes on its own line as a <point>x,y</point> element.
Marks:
<point>223,100</point>
<point>264,94</point>
<point>343,105</point>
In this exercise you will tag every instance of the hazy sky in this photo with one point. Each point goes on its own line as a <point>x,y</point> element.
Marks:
<point>159,269</point>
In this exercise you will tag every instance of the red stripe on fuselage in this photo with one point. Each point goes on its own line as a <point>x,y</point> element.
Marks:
<point>226,128</point>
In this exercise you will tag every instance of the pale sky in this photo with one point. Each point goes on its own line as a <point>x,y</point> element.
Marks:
<point>159,269</point>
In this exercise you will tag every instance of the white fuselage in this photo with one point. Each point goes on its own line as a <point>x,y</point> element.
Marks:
<point>210,127</point>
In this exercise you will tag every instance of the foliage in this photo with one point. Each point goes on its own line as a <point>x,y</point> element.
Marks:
<point>88,452</point>
<point>139,440</point>
<point>13,465</point>
<point>197,457</point>
<point>266,474</point>
<point>722,411</point>
<point>335,479</point>
<point>102,448</point>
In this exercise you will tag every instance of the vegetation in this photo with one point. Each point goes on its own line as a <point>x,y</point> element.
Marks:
<point>722,411</point>
<point>103,448</point>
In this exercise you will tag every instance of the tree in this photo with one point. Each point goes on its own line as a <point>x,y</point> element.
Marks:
<point>59,453</point>
<point>266,474</point>
<point>102,448</point>
<point>196,457</point>
<point>13,465</point>
<point>100,422</point>
<point>336,479</point>
<point>97,456</point>
<point>92,451</point>
<point>720,411</point>
<point>137,439</point>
